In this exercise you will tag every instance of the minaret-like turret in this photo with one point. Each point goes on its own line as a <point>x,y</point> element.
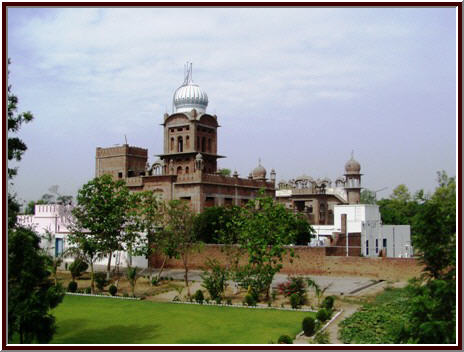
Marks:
<point>353,180</point>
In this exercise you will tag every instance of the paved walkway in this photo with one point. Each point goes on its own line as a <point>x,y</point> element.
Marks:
<point>338,285</point>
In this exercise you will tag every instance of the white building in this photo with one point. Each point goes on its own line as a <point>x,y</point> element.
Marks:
<point>51,222</point>
<point>365,219</point>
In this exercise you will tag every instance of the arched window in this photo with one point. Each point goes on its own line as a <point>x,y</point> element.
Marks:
<point>180,144</point>
<point>209,145</point>
<point>187,142</point>
<point>179,170</point>
<point>186,169</point>
<point>203,144</point>
<point>172,144</point>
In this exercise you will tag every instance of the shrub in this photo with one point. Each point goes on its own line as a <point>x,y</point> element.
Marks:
<point>100,280</point>
<point>125,294</point>
<point>218,300</point>
<point>72,286</point>
<point>294,286</point>
<point>328,302</point>
<point>309,326</point>
<point>295,300</point>
<point>214,279</point>
<point>285,339</point>
<point>88,290</point>
<point>322,314</point>
<point>322,338</point>
<point>250,300</point>
<point>198,296</point>
<point>229,301</point>
<point>155,281</point>
<point>113,290</point>
<point>77,267</point>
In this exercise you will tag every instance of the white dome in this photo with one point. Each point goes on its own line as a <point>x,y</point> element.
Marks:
<point>189,95</point>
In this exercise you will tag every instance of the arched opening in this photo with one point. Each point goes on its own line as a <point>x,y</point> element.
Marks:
<point>186,169</point>
<point>180,144</point>
<point>179,170</point>
<point>187,142</point>
<point>203,144</point>
<point>172,144</point>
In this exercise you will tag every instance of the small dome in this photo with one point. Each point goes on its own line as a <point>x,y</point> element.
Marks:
<point>352,166</point>
<point>259,172</point>
<point>199,157</point>
<point>189,95</point>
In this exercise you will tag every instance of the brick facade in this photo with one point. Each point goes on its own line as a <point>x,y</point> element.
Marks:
<point>315,261</point>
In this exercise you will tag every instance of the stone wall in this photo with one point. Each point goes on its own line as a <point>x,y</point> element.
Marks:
<point>313,260</point>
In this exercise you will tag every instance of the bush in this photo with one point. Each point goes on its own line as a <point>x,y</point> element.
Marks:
<point>295,300</point>
<point>113,290</point>
<point>214,279</point>
<point>285,339</point>
<point>100,280</point>
<point>250,300</point>
<point>229,301</point>
<point>125,294</point>
<point>328,302</point>
<point>218,300</point>
<point>199,297</point>
<point>155,281</point>
<point>294,286</point>
<point>77,267</point>
<point>322,338</point>
<point>72,286</point>
<point>323,314</point>
<point>309,326</point>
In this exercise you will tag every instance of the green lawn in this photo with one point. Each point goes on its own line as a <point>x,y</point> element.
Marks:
<point>92,320</point>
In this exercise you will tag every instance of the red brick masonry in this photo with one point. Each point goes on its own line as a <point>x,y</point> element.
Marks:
<point>313,260</point>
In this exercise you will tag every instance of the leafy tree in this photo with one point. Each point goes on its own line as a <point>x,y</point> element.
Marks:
<point>303,230</point>
<point>179,223</point>
<point>77,267</point>
<point>224,172</point>
<point>13,210</point>
<point>31,293</point>
<point>264,229</point>
<point>16,147</point>
<point>367,197</point>
<point>212,223</point>
<point>105,210</point>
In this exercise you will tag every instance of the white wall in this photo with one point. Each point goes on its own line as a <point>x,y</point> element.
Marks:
<point>55,219</point>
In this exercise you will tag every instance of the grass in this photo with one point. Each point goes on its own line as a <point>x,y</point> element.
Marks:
<point>91,320</point>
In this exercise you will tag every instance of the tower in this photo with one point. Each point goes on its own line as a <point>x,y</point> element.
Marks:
<point>189,132</point>
<point>353,180</point>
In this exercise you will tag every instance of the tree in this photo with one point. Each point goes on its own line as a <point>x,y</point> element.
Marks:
<point>178,223</point>
<point>368,197</point>
<point>105,210</point>
<point>303,231</point>
<point>265,228</point>
<point>224,172</point>
<point>31,293</point>
<point>432,307</point>
<point>16,147</point>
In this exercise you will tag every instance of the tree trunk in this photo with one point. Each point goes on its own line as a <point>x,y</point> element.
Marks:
<point>185,260</point>
<point>92,283</point>
<point>108,268</point>
<point>162,266</point>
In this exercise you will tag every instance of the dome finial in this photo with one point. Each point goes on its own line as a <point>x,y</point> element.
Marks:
<point>352,154</point>
<point>187,73</point>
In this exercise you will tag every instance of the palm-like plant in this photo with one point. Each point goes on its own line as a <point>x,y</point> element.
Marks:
<point>319,292</point>
<point>132,277</point>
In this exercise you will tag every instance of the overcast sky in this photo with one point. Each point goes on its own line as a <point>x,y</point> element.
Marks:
<point>299,88</point>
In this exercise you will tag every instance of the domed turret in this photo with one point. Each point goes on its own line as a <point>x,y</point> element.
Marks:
<point>189,95</point>
<point>259,172</point>
<point>352,166</point>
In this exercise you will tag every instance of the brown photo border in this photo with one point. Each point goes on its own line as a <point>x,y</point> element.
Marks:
<point>6,5</point>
